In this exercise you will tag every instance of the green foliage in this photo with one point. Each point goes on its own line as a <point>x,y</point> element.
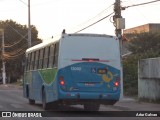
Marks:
<point>15,39</point>
<point>143,45</point>
<point>130,75</point>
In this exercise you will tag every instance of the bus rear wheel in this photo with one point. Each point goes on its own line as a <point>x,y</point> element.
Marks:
<point>44,104</point>
<point>91,107</point>
<point>31,101</point>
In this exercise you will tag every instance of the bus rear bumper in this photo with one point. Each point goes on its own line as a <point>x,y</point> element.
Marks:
<point>81,97</point>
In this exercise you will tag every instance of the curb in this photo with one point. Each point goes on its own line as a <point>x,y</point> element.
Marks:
<point>125,99</point>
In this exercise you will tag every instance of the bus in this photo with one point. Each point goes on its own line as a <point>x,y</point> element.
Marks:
<point>74,69</point>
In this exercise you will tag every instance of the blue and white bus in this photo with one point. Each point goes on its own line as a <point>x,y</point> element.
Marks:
<point>74,69</point>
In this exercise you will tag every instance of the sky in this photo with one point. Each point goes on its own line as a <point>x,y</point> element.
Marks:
<point>52,16</point>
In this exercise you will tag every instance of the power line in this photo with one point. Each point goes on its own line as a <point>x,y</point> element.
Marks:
<point>15,54</point>
<point>94,23</point>
<point>7,46</point>
<point>46,2</point>
<point>99,14</point>
<point>23,2</point>
<point>141,13</point>
<point>16,30</point>
<point>142,4</point>
<point>92,19</point>
<point>7,57</point>
<point>23,47</point>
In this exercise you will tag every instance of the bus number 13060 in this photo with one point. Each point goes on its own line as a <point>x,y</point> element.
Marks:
<point>76,68</point>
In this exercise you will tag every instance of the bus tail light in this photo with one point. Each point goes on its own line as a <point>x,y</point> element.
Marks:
<point>116,84</point>
<point>61,80</point>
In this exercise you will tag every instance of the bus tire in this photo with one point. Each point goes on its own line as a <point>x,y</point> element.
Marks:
<point>55,105</point>
<point>31,101</point>
<point>44,104</point>
<point>27,91</point>
<point>112,102</point>
<point>91,107</point>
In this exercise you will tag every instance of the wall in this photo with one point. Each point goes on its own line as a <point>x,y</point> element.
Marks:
<point>138,29</point>
<point>149,79</point>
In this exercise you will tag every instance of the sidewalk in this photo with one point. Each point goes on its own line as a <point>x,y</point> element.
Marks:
<point>127,99</point>
<point>132,104</point>
<point>10,87</point>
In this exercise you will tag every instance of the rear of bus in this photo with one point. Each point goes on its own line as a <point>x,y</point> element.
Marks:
<point>89,70</point>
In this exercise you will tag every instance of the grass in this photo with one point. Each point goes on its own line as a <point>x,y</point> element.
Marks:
<point>18,83</point>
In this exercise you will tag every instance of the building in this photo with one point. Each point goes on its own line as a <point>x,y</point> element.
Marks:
<point>151,27</point>
<point>128,33</point>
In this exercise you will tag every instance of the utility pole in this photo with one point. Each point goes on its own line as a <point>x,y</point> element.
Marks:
<point>29,25</point>
<point>119,24</point>
<point>3,62</point>
<point>117,10</point>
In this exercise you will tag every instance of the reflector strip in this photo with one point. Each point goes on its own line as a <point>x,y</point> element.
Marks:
<point>90,60</point>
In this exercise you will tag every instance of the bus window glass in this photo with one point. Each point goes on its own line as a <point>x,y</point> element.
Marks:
<point>36,59</point>
<point>41,59</point>
<point>45,62</point>
<point>28,61</point>
<point>32,61</point>
<point>48,56</point>
<point>51,56</point>
<point>56,54</point>
<point>26,64</point>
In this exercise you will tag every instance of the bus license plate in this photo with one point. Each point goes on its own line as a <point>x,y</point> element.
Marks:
<point>89,84</point>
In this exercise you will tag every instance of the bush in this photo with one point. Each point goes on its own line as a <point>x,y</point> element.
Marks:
<point>130,76</point>
<point>143,45</point>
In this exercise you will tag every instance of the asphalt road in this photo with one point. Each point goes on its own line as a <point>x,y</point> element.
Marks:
<point>11,99</point>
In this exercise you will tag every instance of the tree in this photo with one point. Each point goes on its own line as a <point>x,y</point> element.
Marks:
<point>15,36</point>
<point>143,45</point>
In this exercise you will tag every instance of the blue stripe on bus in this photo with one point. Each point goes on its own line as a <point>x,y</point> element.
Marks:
<point>80,79</point>
<point>84,78</point>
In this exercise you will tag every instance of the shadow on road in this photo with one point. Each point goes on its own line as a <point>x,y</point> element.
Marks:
<point>73,111</point>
